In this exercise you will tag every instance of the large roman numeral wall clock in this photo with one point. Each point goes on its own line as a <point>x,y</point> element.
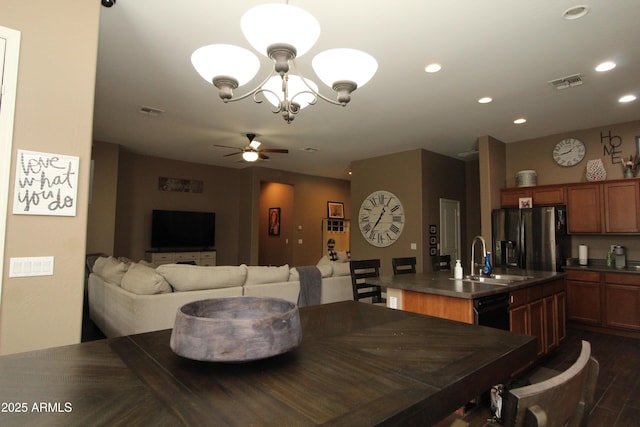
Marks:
<point>381,218</point>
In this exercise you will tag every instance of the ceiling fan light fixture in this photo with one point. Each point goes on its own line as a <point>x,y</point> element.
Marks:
<point>250,156</point>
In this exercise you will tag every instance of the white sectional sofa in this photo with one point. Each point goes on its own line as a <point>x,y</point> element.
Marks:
<point>129,298</point>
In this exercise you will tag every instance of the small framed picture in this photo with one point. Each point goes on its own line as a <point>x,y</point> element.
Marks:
<point>433,251</point>
<point>433,229</point>
<point>432,241</point>
<point>525,203</point>
<point>274,221</point>
<point>335,210</point>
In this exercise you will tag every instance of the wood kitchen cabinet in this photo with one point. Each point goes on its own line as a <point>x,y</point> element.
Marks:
<point>621,300</point>
<point>542,195</point>
<point>583,297</point>
<point>622,206</point>
<point>584,208</point>
<point>539,311</point>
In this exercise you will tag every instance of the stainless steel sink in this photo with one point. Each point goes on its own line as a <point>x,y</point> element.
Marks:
<point>513,277</point>
<point>486,280</point>
<point>498,279</point>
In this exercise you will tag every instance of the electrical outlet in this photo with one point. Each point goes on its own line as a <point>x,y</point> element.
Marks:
<point>393,302</point>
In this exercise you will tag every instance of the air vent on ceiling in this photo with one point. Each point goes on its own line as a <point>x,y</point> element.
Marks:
<point>567,82</point>
<point>150,111</point>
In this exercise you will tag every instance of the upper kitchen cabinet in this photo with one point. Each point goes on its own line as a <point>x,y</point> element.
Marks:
<point>584,208</point>
<point>622,206</point>
<point>541,195</point>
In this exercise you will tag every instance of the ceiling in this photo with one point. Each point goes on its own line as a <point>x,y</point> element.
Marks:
<point>499,48</point>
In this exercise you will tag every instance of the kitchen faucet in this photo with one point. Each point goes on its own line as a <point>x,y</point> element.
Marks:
<point>472,274</point>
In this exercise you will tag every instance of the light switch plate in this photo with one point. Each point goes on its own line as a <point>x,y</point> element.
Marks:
<point>31,266</point>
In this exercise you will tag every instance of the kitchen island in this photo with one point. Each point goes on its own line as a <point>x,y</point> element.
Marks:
<point>535,305</point>
<point>357,365</point>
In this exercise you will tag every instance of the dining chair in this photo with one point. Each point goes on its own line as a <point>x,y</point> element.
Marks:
<point>562,400</point>
<point>441,262</point>
<point>403,265</point>
<point>361,270</point>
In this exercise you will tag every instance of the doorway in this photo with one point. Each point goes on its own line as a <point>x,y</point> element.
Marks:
<point>450,228</point>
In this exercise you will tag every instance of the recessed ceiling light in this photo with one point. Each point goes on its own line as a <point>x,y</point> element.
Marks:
<point>627,98</point>
<point>575,12</point>
<point>520,121</point>
<point>433,68</point>
<point>606,66</point>
<point>485,100</point>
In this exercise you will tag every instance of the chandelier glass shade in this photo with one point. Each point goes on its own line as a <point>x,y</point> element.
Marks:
<point>282,32</point>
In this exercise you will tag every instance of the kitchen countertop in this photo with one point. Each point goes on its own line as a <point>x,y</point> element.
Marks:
<point>633,267</point>
<point>440,283</point>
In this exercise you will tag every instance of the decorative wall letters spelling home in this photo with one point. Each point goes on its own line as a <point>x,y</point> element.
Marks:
<point>46,184</point>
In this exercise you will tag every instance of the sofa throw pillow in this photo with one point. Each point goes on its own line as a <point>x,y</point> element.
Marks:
<point>185,277</point>
<point>143,280</point>
<point>341,268</point>
<point>110,269</point>
<point>262,274</point>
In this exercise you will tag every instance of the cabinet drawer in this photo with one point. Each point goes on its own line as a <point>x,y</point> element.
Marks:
<point>187,256</point>
<point>554,287</point>
<point>519,297</point>
<point>622,279</point>
<point>162,257</point>
<point>207,255</point>
<point>583,276</point>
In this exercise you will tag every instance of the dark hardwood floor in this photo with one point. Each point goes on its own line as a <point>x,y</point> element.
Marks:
<point>617,400</point>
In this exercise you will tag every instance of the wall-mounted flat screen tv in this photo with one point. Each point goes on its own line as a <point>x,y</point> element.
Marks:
<point>183,229</point>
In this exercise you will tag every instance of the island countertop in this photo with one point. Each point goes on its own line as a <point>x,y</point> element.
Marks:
<point>441,283</point>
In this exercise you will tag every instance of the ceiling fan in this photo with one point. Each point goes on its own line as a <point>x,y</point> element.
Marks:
<point>252,152</point>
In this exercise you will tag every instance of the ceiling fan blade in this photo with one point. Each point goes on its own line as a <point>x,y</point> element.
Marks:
<point>227,146</point>
<point>263,156</point>
<point>274,150</point>
<point>232,154</point>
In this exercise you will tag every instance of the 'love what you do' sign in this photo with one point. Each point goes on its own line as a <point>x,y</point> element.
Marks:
<point>46,184</point>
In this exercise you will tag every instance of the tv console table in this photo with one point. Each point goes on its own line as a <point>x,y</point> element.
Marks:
<point>187,257</point>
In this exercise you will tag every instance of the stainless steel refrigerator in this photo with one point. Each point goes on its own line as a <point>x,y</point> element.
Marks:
<point>533,239</point>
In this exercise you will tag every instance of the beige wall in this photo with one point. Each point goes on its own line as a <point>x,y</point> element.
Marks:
<point>536,154</point>
<point>419,179</point>
<point>235,196</point>
<point>138,195</point>
<point>54,107</point>
<point>101,222</point>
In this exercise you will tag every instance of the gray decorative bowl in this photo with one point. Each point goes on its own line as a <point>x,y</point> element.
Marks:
<point>236,329</point>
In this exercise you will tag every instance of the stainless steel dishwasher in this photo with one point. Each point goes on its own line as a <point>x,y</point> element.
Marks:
<point>492,311</point>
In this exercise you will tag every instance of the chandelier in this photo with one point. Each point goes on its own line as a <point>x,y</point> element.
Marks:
<point>283,33</point>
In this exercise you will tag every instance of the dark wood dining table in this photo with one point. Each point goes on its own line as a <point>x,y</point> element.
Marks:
<point>357,365</point>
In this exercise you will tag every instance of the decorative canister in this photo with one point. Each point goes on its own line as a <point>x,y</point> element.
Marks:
<point>526,178</point>
<point>595,170</point>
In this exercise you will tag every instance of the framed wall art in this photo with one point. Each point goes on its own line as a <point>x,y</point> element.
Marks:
<point>335,210</point>
<point>274,221</point>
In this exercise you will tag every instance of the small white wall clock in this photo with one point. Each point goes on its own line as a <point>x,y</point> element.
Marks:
<point>569,152</point>
<point>381,218</point>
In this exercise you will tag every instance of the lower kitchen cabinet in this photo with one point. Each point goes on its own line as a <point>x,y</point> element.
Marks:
<point>539,311</point>
<point>606,300</point>
<point>621,300</point>
<point>583,297</point>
